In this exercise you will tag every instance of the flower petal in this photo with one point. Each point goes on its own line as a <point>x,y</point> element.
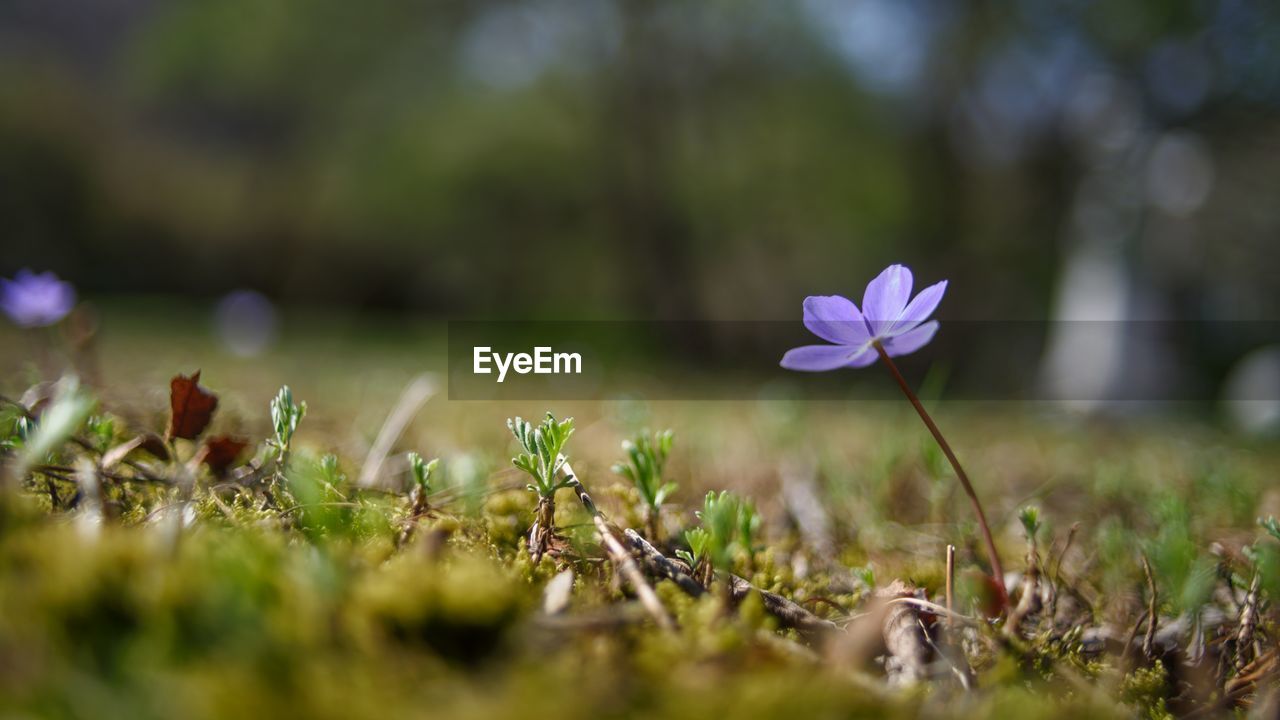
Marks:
<point>33,300</point>
<point>911,340</point>
<point>886,297</point>
<point>867,356</point>
<point>835,319</point>
<point>818,358</point>
<point>921,307</point>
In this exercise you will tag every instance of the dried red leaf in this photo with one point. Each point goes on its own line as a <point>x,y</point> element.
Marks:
<point>222,452</point>
<point>191,407</point>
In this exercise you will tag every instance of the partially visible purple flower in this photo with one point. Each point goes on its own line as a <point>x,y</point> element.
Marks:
<point>36,300</point>
<point>886,316</point>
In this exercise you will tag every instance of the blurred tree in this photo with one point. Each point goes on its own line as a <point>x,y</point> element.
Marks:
<point>652,160</point>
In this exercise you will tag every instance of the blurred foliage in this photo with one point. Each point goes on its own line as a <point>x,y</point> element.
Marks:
<point>668,160</point>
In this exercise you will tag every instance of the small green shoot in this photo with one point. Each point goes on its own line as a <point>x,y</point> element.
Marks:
<point>646,460</point>
<point>422,471</point>
<point>103,430</point>
<point>543,452</point>
<point>70,408</point>
<point>1270,524</point>
<point>1030,518</point>
<point>285,416</point>
<point>542,459</point>
<point>699,542</point>
<point>729,526</point>
<point>749,522</point>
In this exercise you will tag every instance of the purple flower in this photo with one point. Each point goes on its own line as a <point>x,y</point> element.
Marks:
<point>886,317</point>
<point>32,300</point>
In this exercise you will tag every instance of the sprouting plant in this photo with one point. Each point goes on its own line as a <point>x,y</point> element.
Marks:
<point>542,459</point>
<point>1270,524</point>
<point>748,526</point>
<point>1030,518</point>
<point>1265,556</point>
<point>70,408</point>
<point>1029,602</point>
<point>890,324</point>
<point>719,515</point>
<point>103,430</point>
<point>421,472</point>
<point>866,575</point>
<point>330,470</point>
<point>713,545</point>
<point>699,542</point>
<point>646,459</point>
<point>11,427</point>
<point>330,474</point>
<point>285,416</point>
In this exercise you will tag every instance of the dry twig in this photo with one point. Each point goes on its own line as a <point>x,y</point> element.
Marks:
<point>414,396</point>
<point>1248,622</point>
<point>621,558</point>
<point>1149,640</point>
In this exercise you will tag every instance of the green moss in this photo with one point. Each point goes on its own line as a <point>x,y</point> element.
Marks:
<point>1146,689</point>
<point>326,609</point>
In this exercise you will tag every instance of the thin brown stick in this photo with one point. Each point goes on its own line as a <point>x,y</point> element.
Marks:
<point>997,569</point>
<point>1148,641</point>
<point>951,576</point>
<point>1248,623</point>
<point>663,565</point>
<point>934,608</point>
<point>618,554</point>
<point>789,613</point>
<point>1250,674</point>
<point>627,566</point>
<point>412,398</point>
<point>1055,580</point>
<point>1062,554</point>
<point>1133,636</point>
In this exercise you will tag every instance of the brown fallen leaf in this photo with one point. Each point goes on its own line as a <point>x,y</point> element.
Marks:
<point>154,445</point>
<point>222,452</point>
<point>191,407</point>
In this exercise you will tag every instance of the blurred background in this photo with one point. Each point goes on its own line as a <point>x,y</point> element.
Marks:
<point>602,159</point>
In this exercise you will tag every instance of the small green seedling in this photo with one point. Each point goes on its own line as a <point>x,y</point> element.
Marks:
<point>66,414</point>
<point>331,472</point>
<point>542,459</point>
<point>713,546</point>
<point>421,472</point>
<point>102,428</point>
<point>749,522</point>
<point>1030,518</point>
<point>699,541</point>
<point>646,460</point>
<point>285,416</point>
<point>1270,524</point>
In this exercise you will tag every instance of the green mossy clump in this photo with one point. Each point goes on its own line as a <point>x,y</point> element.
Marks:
<point>280,586</point>
<point>462,610</point>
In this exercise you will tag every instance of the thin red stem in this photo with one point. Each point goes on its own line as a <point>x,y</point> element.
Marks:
<point>993,557</point>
